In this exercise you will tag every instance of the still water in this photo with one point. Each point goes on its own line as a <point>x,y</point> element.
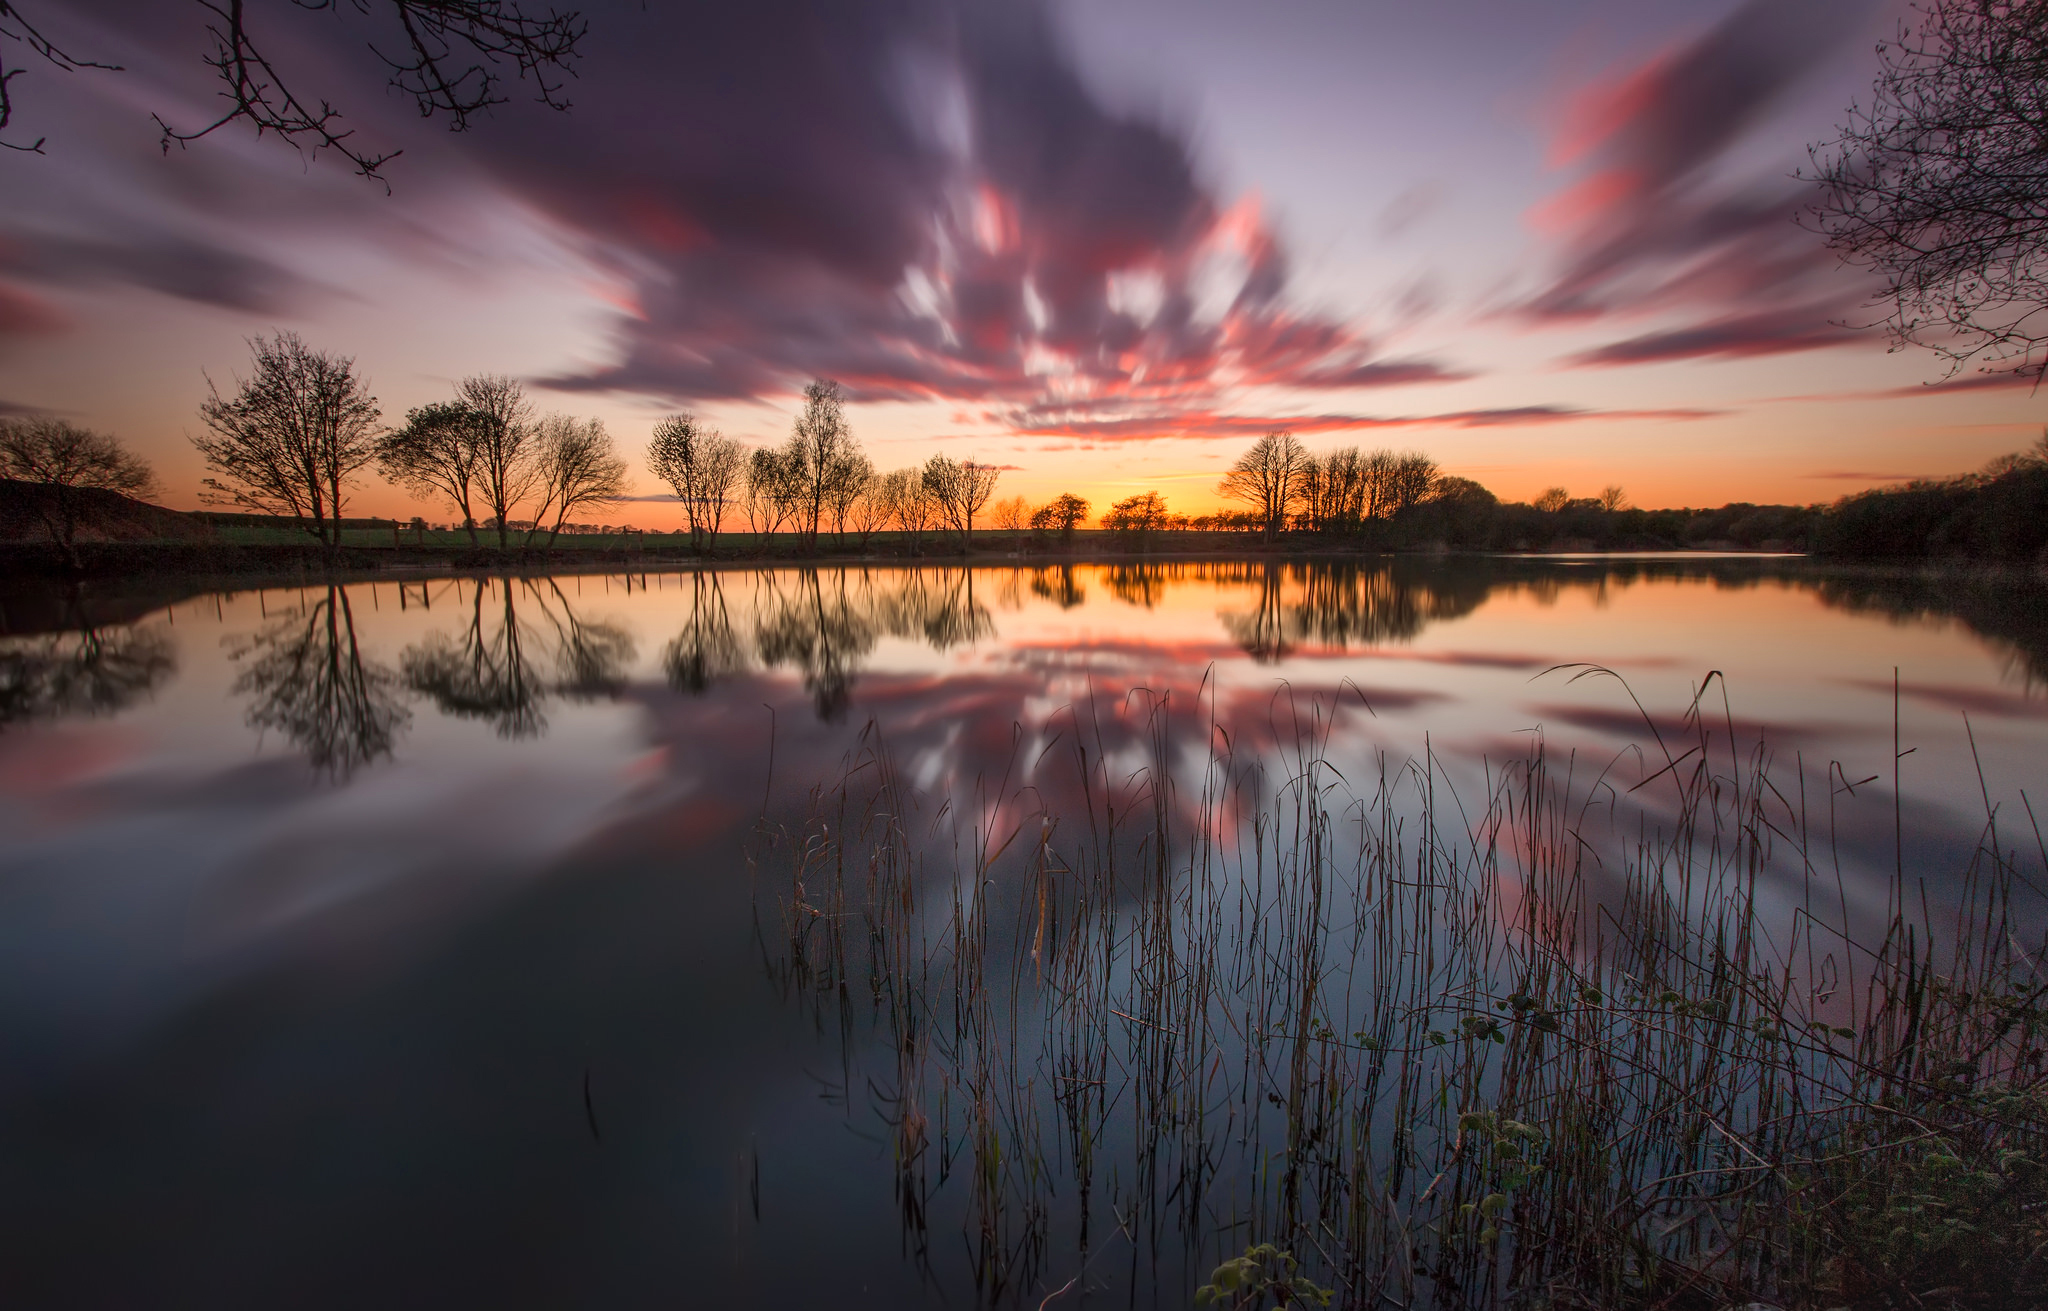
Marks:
<point>394,943</point>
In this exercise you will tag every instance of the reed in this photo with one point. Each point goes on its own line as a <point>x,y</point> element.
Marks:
<point>1151,1019</point>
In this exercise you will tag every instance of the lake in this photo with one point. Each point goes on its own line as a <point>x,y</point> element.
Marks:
<point>417,943</point>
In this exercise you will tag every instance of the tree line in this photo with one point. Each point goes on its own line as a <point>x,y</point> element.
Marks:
<point>292,439</point>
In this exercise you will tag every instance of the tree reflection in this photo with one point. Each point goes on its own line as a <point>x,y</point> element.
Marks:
<point>1057,584</point>
<point>1343,604</point>
<point>817,627</point>
<point>1142,585</point>
<point>309,681</point>
<point>505,665</point>
<point>708,648</point>
<point>824,624</point>
<point>88,671</point>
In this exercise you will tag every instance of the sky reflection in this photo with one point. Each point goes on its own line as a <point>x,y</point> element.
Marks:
<point>402,863</point>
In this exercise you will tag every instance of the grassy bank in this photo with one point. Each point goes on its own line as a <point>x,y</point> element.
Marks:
<point>1164,1010</point>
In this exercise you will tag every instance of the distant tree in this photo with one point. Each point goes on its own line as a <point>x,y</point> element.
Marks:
<point>774,492</point>
<point>822,457</point>
<point>1613,498</point>
<point>876,506</point>
<point>435,452</point>
<point>1138,516</point>
<point>1409,477</point>
<point>704,468</point>
<point>1940,187</point>
<point>960,490</point>
<point>1552,500</point>
<point>575,466</point>
<point>447,55</point>
<point>916,509</point>
<point>507,446</point>
<point>849,485</point>
<point>1011,514</point>
<point>292,437</point>
<point>1062,515</point>
<point>1268,478</point>
<point>66,460</point>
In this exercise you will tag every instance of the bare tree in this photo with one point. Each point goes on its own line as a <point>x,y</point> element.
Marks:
<point>449,56</point>
<point>67,460</point>
<point>1613,498</point>
<point>775,493</point>
<point>676,456</point>
<point>576,466</point>
<point>1011,514</point>
<point>1409,478</point>
<point>876,507</point>
<point>436,452</point>
<point>1552,500</point>
<point>915,508</point>
<point>507,445</point>
<point>850,482</point>
<point>292,437</point>
<point>1941,185</point>
<point>821,456</point>
<point>1267,478</point>
<point>959,490</point>
<point>705,469</point>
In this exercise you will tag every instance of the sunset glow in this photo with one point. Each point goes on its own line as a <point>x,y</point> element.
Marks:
<point>1102,246</point>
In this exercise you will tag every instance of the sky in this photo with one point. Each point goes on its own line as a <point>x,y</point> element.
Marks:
<point>1101,243</point>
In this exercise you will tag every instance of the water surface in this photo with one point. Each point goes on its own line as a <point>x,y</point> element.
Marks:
<point>394,942</point>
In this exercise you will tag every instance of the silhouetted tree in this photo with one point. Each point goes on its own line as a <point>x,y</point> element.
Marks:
<point>449,56</point>
<point>436,452</point>
<point>1552,500</point>
<point>292,437</point>
<point>574,466</point>
<point>1613,498</point>
<point>507,446</point>
<point>774,493</point>
<point>1011,514</point>
<point>876,506</point>
<point>959,491</point>
<point>848,489</point>
<point>1268,478</point>
<point>821,458</point>
<point>65,460</point>
<point>309,681</point>
<point>1940,187</point>
<point>1137,516</point>
<point>1063,514</point>
<point>705,469</point>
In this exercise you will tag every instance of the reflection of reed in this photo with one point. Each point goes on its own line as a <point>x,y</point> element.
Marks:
<point>824,624</point>
<point>307,680</point>
<point>90,671</point>
<point>504,666</point>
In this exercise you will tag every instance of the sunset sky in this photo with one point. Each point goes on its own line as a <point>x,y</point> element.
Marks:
<point>1103,243</point>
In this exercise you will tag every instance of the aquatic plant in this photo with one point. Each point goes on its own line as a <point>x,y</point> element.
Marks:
<point>1548,1049</point>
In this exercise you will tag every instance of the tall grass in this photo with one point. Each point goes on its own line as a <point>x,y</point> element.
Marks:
<point>1140,1007</point>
